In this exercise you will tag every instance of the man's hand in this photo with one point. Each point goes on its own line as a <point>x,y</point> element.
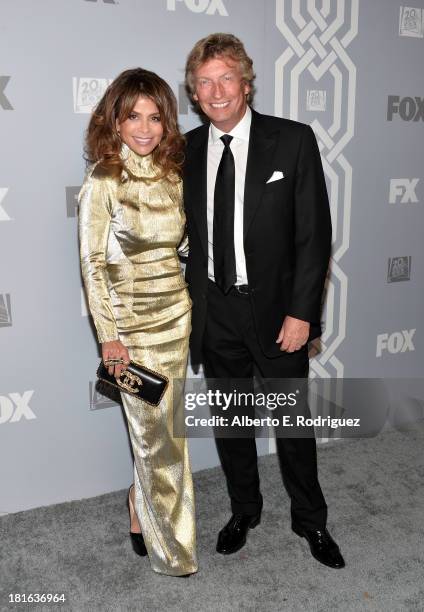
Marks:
<point>293,335</point>
<point>115,350</point>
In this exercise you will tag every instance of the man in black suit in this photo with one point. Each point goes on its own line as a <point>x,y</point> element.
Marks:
<point>259,231</point>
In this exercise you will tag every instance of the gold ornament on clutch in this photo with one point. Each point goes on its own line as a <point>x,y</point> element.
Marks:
<point>129,382</point>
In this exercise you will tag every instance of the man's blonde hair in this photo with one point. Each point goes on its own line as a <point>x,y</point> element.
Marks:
<point>222,46</point>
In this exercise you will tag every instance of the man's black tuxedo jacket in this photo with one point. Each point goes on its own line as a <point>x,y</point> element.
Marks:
<point>286,228</point>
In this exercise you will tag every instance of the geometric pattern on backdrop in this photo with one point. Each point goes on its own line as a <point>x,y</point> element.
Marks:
<point>316,73</point>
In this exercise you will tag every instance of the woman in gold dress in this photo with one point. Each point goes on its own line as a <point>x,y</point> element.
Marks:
<point>131,226</point>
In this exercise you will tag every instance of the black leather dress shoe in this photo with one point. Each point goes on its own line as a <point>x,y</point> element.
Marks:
<point>233,536</point>
<point>323,547</point>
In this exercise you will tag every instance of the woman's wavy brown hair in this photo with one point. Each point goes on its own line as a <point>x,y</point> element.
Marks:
<point>103,143</point>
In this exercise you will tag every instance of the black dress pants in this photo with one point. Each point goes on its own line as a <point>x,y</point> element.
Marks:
<point>230,351</point>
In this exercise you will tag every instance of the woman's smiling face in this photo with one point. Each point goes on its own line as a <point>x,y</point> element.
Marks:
<point>142,131</point>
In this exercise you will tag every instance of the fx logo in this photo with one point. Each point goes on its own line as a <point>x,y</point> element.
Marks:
<point>15,407</point>
<point>4,100</point>
<point>409,109</point>
<point>5,310</point>
<point>210,7</point>
<point>397,342</point>
<point>404,189</point>
<point>3,214</point>
<point>72,201</point>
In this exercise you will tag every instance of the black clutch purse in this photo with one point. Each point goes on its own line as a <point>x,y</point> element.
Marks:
<point>138,381</point>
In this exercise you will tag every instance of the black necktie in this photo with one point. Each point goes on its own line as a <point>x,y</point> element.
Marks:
<point>224,259</point>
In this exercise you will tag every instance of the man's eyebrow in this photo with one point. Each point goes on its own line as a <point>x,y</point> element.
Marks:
<point>231,71</point>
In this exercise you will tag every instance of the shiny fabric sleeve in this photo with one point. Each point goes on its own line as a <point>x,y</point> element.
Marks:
<point>94,221</point>
<point>183,247</point>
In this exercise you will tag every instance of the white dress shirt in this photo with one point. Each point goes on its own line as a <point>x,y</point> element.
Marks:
<point>239,147</point>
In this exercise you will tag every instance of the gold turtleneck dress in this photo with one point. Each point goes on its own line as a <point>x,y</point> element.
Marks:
<point>130,230</point>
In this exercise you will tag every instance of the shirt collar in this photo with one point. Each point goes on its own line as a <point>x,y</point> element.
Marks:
<point>140,166</point>
<point>240,131</point>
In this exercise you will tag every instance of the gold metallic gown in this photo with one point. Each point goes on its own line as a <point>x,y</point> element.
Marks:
<point>130,229</point>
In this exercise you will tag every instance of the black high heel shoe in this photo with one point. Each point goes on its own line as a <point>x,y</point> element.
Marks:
<point>137,539</point>
<point>138,544</point>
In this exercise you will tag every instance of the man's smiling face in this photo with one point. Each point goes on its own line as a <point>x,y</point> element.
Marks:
<point>221,92</point>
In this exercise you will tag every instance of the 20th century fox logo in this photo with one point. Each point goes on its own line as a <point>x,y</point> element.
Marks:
<point>398,269</point>
<point>99,401</point>
<point>316,100</point>
<point>87,92</point>
<point>5,310</point>
<point>411,22</point>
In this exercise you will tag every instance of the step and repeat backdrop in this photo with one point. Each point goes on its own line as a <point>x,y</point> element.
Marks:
<point>352,69</point>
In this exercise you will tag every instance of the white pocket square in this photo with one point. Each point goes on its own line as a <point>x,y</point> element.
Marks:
<point>276,176</point>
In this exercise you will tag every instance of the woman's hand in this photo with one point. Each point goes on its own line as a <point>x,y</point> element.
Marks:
<point>115,350</point>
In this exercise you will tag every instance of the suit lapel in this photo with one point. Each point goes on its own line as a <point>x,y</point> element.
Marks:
<point>258,168</point>
<point>196,172</point>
